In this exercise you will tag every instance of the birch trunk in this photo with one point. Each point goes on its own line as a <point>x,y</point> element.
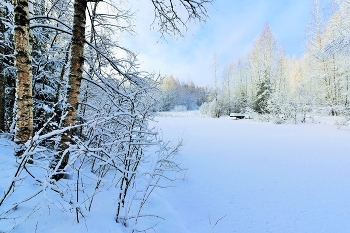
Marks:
<point>74,79</point>
<point>24,121</point>
<point>2,77</point>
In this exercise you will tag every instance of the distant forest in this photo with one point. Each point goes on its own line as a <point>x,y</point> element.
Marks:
<point>270,83</point>
<point>180,96</point>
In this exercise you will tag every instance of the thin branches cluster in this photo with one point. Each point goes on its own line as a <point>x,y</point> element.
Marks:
<point>171,15</point>
<point>79,111</point>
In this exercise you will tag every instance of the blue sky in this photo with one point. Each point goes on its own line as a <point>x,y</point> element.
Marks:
<point>229,33</point>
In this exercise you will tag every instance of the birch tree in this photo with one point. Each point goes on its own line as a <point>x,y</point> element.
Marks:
<point>74,78</point>
<point>2,76</point>
<point>318,70</point>
<point>115,134</point>
<point>24,104</point>
<point>169,21</point>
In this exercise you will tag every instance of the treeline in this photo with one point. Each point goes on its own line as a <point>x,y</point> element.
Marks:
<point>270,83</point>
<point>180,96</point>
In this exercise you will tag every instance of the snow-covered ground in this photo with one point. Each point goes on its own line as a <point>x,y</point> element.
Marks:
<point>260,177</point>
<point>243,176</point>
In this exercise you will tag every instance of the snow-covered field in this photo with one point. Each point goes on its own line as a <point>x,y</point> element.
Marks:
<point>260,177</point>
<point>243,176</point>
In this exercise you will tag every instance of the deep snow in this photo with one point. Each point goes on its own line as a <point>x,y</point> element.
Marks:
<point>251,176</point>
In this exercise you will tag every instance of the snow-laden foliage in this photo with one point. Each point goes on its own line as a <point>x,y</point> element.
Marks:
<point>111,147</point>
<point>119,155</point>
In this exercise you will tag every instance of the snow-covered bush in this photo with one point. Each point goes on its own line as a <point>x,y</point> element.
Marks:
<point>203,109</point>
<point>111,146</point>
<point>119,154</point>
<point>212,109</point>
<point>257,116</point>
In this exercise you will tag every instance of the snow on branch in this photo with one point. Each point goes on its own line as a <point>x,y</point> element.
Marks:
<point>340,45</point>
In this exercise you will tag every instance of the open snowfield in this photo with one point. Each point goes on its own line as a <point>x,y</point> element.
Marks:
<point>243,176</point>
<point>260,177</point>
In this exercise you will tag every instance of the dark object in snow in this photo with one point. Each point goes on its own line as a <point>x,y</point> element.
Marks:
<point>239,116</point>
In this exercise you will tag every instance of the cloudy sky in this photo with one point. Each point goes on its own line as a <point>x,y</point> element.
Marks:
<point>229,33</point>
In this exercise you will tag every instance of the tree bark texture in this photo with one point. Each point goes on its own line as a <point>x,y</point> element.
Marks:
<point>75,75</point>
<point>2,76</point>
<point>24,121</point>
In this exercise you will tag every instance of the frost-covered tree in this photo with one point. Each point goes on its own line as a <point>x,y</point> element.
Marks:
<point>214,106</point>
<point>227,89</point>
<point>336,53</point>
<point>50,55</point>
<point>273,85</point>
<point>262,63</point>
